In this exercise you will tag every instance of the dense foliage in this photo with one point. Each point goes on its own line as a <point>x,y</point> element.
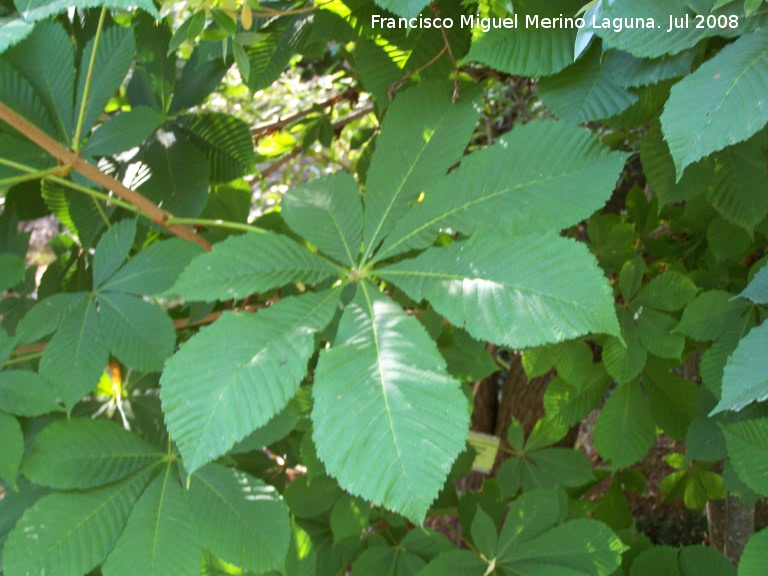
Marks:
<point>188,387</point>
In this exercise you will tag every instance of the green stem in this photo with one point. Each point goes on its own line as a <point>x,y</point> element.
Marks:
<point>96,194</point>
<point>17,166</point>
<point>21,359</point>
<point>31,176</point>
<point>88,80</point>
<point>216,224</point>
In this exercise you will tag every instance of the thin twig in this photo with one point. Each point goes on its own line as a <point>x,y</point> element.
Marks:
<point>395,86</point>
<point>259,132</point>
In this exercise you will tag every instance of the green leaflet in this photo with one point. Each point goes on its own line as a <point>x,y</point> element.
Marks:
<point>68,534</point>
<point>153,270</point>
<point>225,141</point>
<point>242,265</point>
<point>745,378</point>
<point>267,59</point>
<point>25,393</point>
<point>17,93</point>
<point>551,291</point>
<point>747,443</point>
<point>625,429</point>
<point>84,453</point>
<point>13,31</point>
<point>46,60</point>
<point>404,8</point>
<point>140,334</point>
<point>12,268</point>
<point>329,213</point>
<point>210,403</point>
<point>12,507</point>
<point>709,314</point>
<point>199,77</point>
<point>173,173</point>
<point>13,448</point>
<point>34,10</point>
<point>671,400</point>
<point>529,50</point>
<point>669,291</point>
<point>735,78</point>
<point>631,72</point>
<point>541,176</point>
<point>757,289</point>
<point>239,518</point>
<point>112,250</point>
<point>123,132</point>
<point>75,357</point>
<point>586,90</point>
<point>379,392</point>
<point>755,556</point>
<point>113,59</point>
<point>386,560</point>
<point>652,42</point>
<point>159,539</point>
<point>46,317</point>
<point>422,136</point>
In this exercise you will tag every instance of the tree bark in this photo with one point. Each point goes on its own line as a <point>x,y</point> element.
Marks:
<point>739,526</point>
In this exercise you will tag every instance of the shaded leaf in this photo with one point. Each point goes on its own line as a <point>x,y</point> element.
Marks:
<point>239,518</point>
<point>83,453</point>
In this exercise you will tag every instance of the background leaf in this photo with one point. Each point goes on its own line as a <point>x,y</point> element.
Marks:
<point>68,534</point>
<point>83,453</point>
<point>239,518</point>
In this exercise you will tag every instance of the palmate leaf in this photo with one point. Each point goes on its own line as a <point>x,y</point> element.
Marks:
<point>586,90</point>
<point>388,420</point>
<point>239,518</point>
<point>68,534</point>
<point>159,539</point>
<point>46,59</point>
<point>242,265</point>
<point>113,59</point>
<point>213,401</point>
<point>83,453</point>
<point>329,213</point>
<point>735,79</point>
<point>540,176</point>
<point>422,136</point>
<point>548,289</point>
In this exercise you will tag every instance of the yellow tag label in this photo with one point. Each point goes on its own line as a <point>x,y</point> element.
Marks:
<point>487,447</point>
